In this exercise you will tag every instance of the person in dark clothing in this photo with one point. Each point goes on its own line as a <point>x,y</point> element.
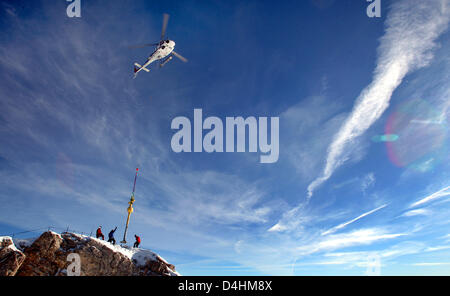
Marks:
<point>111,236</point>
<point>99,233</point>
<point>137,242</point>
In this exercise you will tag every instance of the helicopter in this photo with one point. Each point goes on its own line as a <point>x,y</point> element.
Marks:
<point>164,50</point>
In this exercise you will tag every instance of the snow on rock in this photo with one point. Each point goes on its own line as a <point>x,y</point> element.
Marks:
<point>140,257</point>
<point>47,255</point>
<point>7,242</point>
<point>10,257</point>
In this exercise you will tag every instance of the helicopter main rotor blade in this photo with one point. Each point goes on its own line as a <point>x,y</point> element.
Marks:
<point>179,56</point>
<point>142,45</point>
<point>164,26</point>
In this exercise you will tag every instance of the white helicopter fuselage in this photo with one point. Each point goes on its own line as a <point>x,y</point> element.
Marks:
<point>163,50</point>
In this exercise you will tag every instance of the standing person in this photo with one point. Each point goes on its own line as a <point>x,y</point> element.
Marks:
<point>137,242</point>
<point>111,236</point>
<point>99,233</point>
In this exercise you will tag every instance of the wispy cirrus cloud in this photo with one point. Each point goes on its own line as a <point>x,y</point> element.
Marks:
<point>364,236</point>
<point>368,181</point>
<point>410,36</point>
<point>431,263</point>
<point>362,258</point>
<point>416,212</point>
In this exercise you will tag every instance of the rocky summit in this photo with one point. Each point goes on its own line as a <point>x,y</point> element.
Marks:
<point>48,255</point>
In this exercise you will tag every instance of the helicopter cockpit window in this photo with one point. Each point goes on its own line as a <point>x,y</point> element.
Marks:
<point>167,41</point>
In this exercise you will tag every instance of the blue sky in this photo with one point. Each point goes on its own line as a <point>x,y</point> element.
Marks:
<point>74,125</point>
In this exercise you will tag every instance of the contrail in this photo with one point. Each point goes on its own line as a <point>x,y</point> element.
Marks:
<point>441,193</point>
<point>412,28</point>
<point>340,226</point>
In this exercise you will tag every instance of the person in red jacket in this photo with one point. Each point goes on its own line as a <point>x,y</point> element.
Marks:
<point>99,233</point>
<point>137,242</point>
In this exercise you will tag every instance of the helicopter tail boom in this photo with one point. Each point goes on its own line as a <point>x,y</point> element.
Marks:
<point>139,68</point>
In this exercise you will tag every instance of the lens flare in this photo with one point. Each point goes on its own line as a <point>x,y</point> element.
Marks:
<point>421,136</point>
<point>384,138</point>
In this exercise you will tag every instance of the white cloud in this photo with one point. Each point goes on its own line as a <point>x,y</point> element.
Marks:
<point>437,248</point>
<point>296,218</point>
<point>358,237</point>
<point>277,227</point>
<point>416,212</point>
<point>441,193</point>
<point>364,258</point>
<point>340,226</point>
<point>412,28</point>
<point>431,264</point>
<point>308,128</point>
<point>367,182</point>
